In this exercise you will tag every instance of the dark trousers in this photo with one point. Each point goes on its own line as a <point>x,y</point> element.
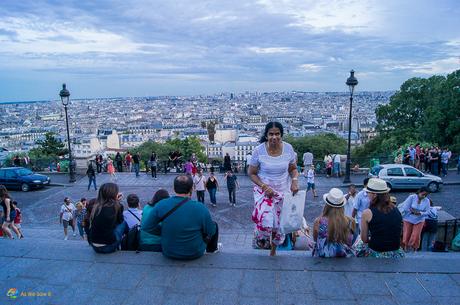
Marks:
<point>154,171</point>
<point>200,196</point>
<point>119,231</point>
<point>212,241</point>
<point>119,166</point>
<point>99,167</point>
<point>232,195</point>
<point>434,167</point>
<point>92,180</point>
<point>212,195</point>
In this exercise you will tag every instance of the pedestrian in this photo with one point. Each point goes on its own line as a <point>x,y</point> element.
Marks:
<point>247,161</point>
<point>328,164</point>
<point>361,203</point>
<point>9,213</point>
<point>422,160</point>
<point>67,216</point>
<point>417,156</point>
<point>307,161</point>
<point>17,161</point>
<point>232,185</point>
<point>150,238</point>
<point>133,215</point>
<point>332,230</point>
<point>18,218</point>
<point>119,162</point>
<point>111,169</point>
<point>273,170</point>
<point>91,176</point>
<point>380,224</point>
<point>311,180</point>
<point>445,156</point>
<point>128,161</point>
<point>106,221</point>
<point>199,185</point>
<point>415,209</point>
<point>188,167</point>
<point>227,162</point>
<point>351,199</point>
<point>430,228</point>
<point>153,165</point>
<point>136,163</point>
<point>194,161</point>
<point>336,160</point>
<point>212,185</point>
<point>187,229</point>
<point>412,153</point>
<point>434,160</point>
<point>99,161</point>
<point>80,215</point>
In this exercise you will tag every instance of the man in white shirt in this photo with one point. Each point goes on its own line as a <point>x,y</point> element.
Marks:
<point>362,202</point>
<point>199,185</point>
<point>133,215</point>
<point>337,165</point>
<point>66,216</point>
<point>307,161</point>
<point>311,180</point>
<point>351,198</point>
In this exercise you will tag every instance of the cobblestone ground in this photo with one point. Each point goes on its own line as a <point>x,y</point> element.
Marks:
<point>41,208</point>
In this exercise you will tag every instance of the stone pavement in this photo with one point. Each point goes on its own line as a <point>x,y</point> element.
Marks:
<point>65,272</point>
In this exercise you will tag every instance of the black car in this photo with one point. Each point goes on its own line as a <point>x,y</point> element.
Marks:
<point>22,178</point>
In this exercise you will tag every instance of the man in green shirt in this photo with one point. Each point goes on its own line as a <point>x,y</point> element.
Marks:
<point>189,230</point>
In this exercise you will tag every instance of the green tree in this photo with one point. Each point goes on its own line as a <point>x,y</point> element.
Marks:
<point>50,146</point>
<point>319,145</point>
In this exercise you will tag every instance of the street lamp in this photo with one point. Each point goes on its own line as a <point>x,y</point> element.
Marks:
<point>65,97</point>
<point>351,83</point>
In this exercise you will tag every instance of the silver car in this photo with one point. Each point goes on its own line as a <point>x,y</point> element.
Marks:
<point>401,176</point>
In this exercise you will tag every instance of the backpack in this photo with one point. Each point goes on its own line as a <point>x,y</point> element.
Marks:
<point>130,241</point>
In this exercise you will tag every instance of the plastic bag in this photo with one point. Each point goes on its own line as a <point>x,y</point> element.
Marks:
<point>292,212</point>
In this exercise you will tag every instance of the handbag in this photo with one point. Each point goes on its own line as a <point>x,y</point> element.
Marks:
<point>157,230</point>
<point>291,218</point>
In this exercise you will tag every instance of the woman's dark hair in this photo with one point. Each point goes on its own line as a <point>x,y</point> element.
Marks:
<point>159,195</point>
<point>107,197</point>
<point>3,192</point>
<point>382,202</point>
<point>423,189</point>
<point>270,125</point>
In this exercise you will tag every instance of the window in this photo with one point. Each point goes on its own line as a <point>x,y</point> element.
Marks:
<point>10,174</point>
<point>395,171</point>
<point>412,172</point>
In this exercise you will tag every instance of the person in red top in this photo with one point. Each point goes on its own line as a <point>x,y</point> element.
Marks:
<point>128,160</point>
<point>18,218</point>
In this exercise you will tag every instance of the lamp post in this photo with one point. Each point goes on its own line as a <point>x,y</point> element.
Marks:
<point>65,97</point>
<point>351,83</point>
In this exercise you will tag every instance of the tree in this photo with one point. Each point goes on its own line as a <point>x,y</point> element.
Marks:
<point>50,146</point>
<point>319,145</point>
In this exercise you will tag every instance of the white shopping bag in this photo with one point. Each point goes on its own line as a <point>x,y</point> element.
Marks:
<point>292,212</point>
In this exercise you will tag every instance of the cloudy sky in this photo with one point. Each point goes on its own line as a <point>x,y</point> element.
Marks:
<point>144,47</point>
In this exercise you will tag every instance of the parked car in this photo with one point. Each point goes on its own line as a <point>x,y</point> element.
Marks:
<point>401,176</point>
<point>22,178</point>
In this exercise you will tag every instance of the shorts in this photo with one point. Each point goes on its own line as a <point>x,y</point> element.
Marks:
<point>12,217</point>
<point>337,168</point>
<point>66,223</point>
<point>310,186</point>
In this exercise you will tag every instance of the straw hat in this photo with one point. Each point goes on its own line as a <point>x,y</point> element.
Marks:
<point>334,198</point>
<point>377,186</point>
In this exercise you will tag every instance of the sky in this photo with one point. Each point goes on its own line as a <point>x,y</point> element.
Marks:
<point>149,48</point>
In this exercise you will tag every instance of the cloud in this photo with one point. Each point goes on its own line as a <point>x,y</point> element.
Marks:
<point>311,67</point>
<point>272,50</point>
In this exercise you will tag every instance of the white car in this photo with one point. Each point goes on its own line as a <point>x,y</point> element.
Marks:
<point>401,176</point>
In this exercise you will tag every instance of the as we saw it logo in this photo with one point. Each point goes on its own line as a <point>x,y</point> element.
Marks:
<point>12,293</point>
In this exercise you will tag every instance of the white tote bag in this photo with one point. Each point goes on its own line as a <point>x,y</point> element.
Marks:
<point>292,212</point>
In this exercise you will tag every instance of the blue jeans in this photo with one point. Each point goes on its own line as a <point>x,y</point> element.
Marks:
<point>136,169</point>
<point>444,168</point>
<point>120,229</point>
<point>92,180</point>
<point>80,229</point>
<point>212,195</point>
<point>337,168</point>
<point>434,168</point>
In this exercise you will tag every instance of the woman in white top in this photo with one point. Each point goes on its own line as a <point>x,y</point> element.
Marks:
<point>273,170</point>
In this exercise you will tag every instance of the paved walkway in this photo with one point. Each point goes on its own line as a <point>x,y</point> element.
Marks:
<point>71,273</point>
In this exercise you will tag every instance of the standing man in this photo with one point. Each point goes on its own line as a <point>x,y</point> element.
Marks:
<point>136,163</point>
<point>311,180</point>
<point>119,162</point>
<point>445,156</point>
<point>199,185</point>
<point>307,161</point>
<point>248,160</point>
<point>91,176</point>
<point>66,217</point>
<point>362,202</point>
<point>337,165</point>
<point>232,184</point>
<point>412,153</point>
<point>128,160</point>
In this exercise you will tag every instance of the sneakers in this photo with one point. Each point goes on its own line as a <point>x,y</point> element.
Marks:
<point>74,234</point>
<point>214,205</point>
<point>66,238</point>
<point>219,248</point>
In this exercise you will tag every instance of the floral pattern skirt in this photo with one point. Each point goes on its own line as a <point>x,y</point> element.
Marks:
<point>266,216</point>
<point>363,250</point>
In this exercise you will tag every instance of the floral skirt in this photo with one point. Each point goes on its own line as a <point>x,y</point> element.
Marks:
<point>266,216</point>
<point>363,250</point>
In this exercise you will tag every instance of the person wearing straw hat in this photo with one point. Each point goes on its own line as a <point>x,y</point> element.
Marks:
<point>333,231</point>
<point>381,224</point>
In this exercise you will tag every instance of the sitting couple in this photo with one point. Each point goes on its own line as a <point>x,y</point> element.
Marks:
<point>179,227</point>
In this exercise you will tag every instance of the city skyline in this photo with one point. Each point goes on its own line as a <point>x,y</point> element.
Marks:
<point>147,48</point>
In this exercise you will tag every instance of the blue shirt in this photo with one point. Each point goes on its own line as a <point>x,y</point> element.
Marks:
<point>412,153</point>
<point>412,202</point>
<point>182,231</point>
<point>361,203</point>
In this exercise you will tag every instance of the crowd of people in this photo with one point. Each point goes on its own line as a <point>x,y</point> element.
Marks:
<point>368,223</point>
<point>432,159</point>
